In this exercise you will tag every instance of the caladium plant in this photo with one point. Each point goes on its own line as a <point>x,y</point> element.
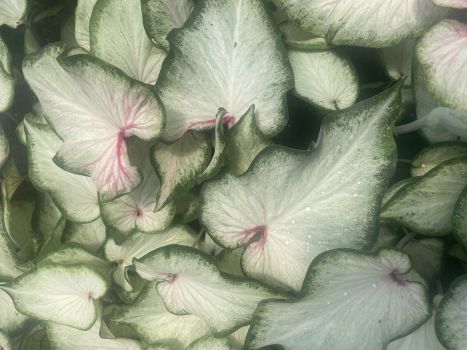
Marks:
<point>233,174</point>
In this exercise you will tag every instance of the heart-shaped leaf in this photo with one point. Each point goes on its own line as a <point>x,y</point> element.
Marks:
<point>366,300</point>
<point>292,205</point>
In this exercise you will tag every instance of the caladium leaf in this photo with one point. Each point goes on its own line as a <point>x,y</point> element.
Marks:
<point>427,256</point>
<point>451,318</point>
<point>10,319</point>
<point>46,218</point>
<point>46,292</point>
<point>426,204</point>
<point>398,59</point>
<point>359,23</point>
<point>287,208</point>
<point>189,282</point>
<point>9,262</point>
<point>140,244</point>
<point>150,320</point>
<point>82,18</point>
<point>180,164</point>
<point>459,219</point>
<point>433,156</point>
<point>237,338</point>
<point>4,147</point>
<point>442,55</point>
<point>161,16</point>
<point>424,337</point>
<point>244,142</point>
<point>90,235</point>
<point>395,188</point>
<point>217,51</point>
<point>135,211</point>
<point>295,37</point>
<point>7,84</point>
<point>209,343</point>
<point>107,107</point>
<point>458,4</point>
<point>118,37</point>
<point>368,300</point>
<point>324,78</point>
<point>68,338</point>
<point>75,195</point>
<point>12,12</point>
<point>5,342</point>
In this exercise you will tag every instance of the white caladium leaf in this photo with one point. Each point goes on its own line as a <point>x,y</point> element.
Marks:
<point>118,37</point>
<point>51,289</point>
<point>427,256</point>
<point>295,37</point>
<point>424,337</point>
<point>161,16</point>
<point>451,318</point>
<point>433,156</point>
<point>368,300</point>
<point>217,51</point>
<point>209,343</point>
<point>324,78</point>
<point>244,142</point>
<point>75,195</point>
<point>287,208</point>
<point>89,235</point>
<point>140,244</point>
<point>360,23</point>
<point>12,12</point>
<point>180,164</point>
<point>10,319</point>
<point>106,108</point>
<point>190,283</point>
<point>82,18</point>
<point>7,84</point>
<point>149,319</point>
<point>458,4</point>
<point>135,211</point>
<point>68,338</point>
<point>398,59</point>
<point>442,55</point>
<point>426,204</point>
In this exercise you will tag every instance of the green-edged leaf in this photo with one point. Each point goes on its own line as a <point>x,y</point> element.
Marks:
<point>7,83</point>
<point>118,37</point>
<point>433,156</point>
<point>426,204</point>
<point>161,16</point>
<point>190,283</point>
<point>424,337</point>
<point>10,319</point>
<point>427,257</point>
<point>82,18</point>
<point>5,342</point>
<point>68,338</point>
<point>94,107</point>
<point>324,78</point>
<point>209,343</point>
<point>219,143</point>
<point>91,235</point>
<point>398,59</point>
<point>12,12</point>
<point>292,205</point>
<point>180,164</point>
<point>295,37</point>
<point>244,142</point>
<point>9,267</point>
<point>75,195</point>
<point>149,319</point>
<point>33,339</point>
<point>442,54</point>
<point>140,244</point>
<point>215,58</point>
<point>62,294</point>
<point>451,318</point>
<point>366,300</point>
<point>458,4</point>
<point>361,23</point>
